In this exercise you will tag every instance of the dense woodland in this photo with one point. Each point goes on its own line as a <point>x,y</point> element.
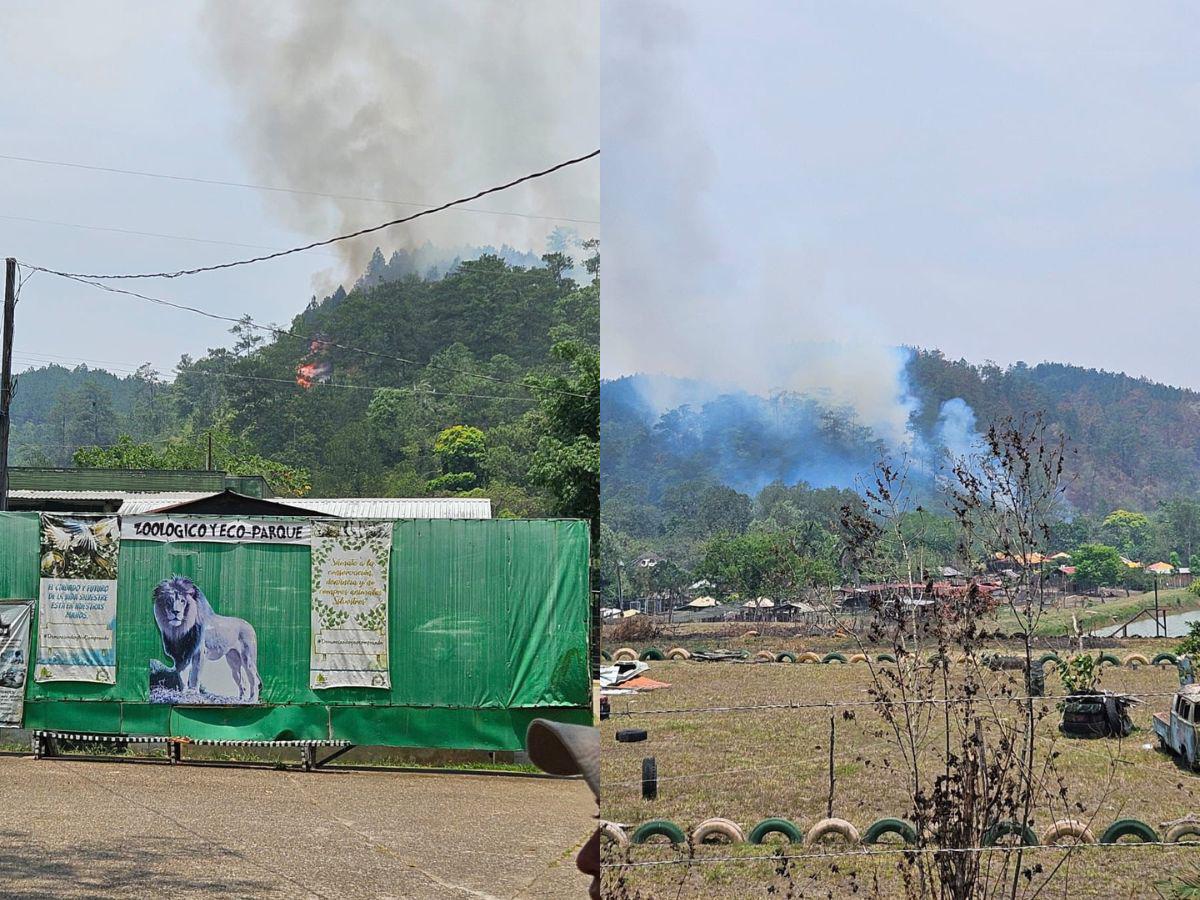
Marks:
<point>747,492</point>
<point>1135,443</point>
<point>475,377</point>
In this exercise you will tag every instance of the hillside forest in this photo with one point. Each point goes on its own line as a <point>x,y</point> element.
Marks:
<point>746,492</point>
<point>468,377</point>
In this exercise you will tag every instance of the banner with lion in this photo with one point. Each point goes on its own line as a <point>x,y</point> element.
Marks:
<point>214,658</point>
<point>77,601</point>
<point>350,561</point>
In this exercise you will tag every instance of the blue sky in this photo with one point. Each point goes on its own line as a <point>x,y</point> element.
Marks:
<point>421,102</point>
<point>1000,181</point>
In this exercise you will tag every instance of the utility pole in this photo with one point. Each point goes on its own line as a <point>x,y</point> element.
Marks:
<point>208,457</point>
<point>1157,618</point>
<point>10,306</point>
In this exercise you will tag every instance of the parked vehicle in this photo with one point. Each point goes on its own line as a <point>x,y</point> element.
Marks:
<point>1177,729</point>
<point>1093,714</point>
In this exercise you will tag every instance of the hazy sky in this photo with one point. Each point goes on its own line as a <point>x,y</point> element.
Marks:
<point>1005,181</point>
<point>420,102</point>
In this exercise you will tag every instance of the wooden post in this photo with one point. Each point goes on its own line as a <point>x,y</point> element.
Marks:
<point>832,737</point>
<point>1156,616</point>
<point>6,385</point>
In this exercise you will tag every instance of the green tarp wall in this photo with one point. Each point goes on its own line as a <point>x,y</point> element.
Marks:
<point>488,629</point>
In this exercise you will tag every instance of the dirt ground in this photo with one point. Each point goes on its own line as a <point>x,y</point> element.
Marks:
<point>751,765</point>
<point>78,829</point>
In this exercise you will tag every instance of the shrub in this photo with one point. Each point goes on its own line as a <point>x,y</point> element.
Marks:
<point>1081,674</point>
<point>1190,645</point>
<point>634,630</point>
<point>455,481</point>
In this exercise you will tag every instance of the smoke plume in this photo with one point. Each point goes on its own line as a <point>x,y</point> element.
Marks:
<point>678,300</point>
<point>418,102</point>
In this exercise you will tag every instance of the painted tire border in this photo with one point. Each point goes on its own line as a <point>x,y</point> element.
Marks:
<point>659,827</point>
<point>775,825</point>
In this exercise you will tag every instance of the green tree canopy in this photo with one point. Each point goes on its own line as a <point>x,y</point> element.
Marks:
<point>1096,565</point>
<point>460,448</point>
<point>567,459</point>
<point>231,453</point>
<point>1129,532</point>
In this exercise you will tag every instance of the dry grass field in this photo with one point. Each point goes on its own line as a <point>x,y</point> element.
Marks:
<point>748,765</point>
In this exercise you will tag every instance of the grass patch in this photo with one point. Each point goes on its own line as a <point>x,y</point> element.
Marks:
<point>747,766</point>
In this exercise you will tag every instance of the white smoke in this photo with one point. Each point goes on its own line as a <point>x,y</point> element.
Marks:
<point>421,102</point>
<point>956,429</point>
<point>675,302</point>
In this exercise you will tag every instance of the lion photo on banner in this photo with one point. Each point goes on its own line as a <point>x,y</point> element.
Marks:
<point>213,658</point>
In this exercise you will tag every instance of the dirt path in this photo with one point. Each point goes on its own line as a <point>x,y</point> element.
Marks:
<point>76,829</point>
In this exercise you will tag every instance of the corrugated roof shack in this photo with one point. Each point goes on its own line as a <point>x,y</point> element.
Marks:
<point>46,488</point>
<point>487,629</point>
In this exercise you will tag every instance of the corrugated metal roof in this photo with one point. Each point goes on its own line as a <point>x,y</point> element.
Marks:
<point>152,481</point>
<point>398,507</point>
<point>342,507</point>
<point>124,496</point>
<point>348,507</point>
<point>135,504</point>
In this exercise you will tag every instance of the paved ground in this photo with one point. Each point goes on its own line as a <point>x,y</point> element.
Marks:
<point>76,829</point>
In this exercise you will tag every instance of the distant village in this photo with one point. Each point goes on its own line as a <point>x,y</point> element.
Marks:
<point>1051,578</point>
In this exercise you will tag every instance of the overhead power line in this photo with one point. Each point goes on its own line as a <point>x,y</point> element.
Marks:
<point>282,332</point>
<point>126,369</point>
<point>281,190</point>
<point>51,357</point>
<point>78,445</point>
<point>130,231</point>
<point>365,387</point>
<point>341,237</point>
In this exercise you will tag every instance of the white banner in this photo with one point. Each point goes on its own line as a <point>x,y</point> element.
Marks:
<point>77,603</point>
<point>14,659</point>
<point>350,604</point>
<point>222,531</point>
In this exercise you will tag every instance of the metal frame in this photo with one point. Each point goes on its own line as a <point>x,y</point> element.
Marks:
<point>45,745</point>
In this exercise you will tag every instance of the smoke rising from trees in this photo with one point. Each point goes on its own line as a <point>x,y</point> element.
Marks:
<point>416,102</point>
<point>681,304</point>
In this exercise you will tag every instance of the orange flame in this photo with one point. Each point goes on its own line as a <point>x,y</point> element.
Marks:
<point>306,375</point>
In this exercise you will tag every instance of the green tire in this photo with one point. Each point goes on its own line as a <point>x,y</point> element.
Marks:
<point>1108,658</point>
<point>1165,657</point>
<point>659,827</point>
<point>833,657</point>
<point>885,657</point>
<point>775,826</point>
<point>1125,827</point>
<point>606,656</point>
<point>652,653</point>
<point>1007,827</point>
<point>785,656</point>
<point>1049,657</point>
<point>880,827</point>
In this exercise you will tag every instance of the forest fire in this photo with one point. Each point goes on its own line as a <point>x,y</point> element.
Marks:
<point>308,374</point>
<point>314,370</point>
